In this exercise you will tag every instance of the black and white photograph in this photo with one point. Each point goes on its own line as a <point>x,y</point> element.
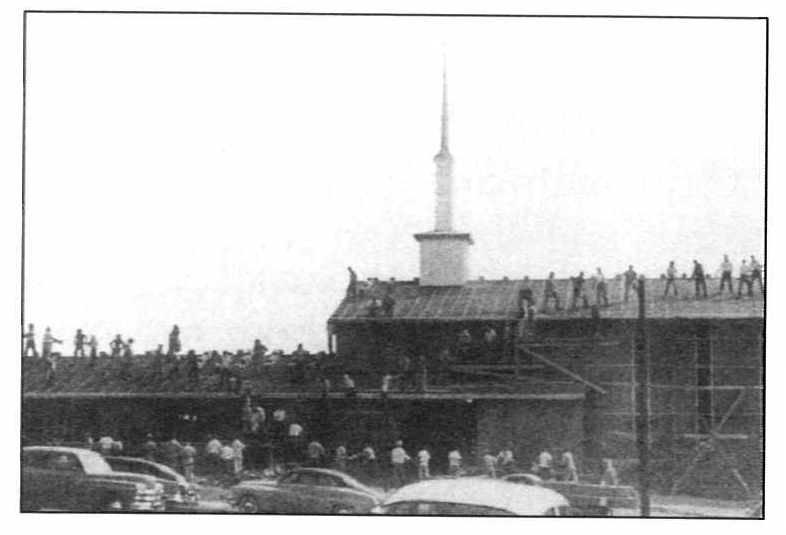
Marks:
<point>392,263</point>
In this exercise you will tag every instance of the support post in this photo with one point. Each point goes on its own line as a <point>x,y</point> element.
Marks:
<point>643,403</point>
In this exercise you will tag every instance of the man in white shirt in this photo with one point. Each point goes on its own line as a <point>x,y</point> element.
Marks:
<point>423,459</point>
<point>544,465</point>
<point>490,465</point>
<point>745,278</point>
<point>398,456</point>
<point>601,293</point>
<point>105,444</point>
<point>505,461</point>
<point>213,454</point>
<point>454,462</point>
<point>227,456</point>
<point>237,457</point>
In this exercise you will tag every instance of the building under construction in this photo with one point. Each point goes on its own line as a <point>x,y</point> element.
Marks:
<point>469,368</point>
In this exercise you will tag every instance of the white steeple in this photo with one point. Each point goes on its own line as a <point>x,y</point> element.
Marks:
<point>444,252</point>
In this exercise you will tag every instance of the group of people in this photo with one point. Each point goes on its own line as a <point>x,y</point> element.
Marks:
<point>750,273</point>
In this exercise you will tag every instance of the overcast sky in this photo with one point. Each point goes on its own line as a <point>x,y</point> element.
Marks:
<point>221,172</point>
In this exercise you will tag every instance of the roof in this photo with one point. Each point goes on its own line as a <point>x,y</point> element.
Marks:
<point>518,499</point>
<point>498,300</point>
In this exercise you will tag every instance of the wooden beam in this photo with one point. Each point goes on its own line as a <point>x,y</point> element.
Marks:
<point>563,370</point>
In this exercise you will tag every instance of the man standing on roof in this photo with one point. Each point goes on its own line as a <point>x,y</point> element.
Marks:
<point>601,289</point>
<point>745,278</point>
<point>698,280</point>
<point>116,346</point>
<point>726,268</point>
<point>550,293</point>
<point>671,275</point>
<point>630,278</point>
<point>174,340</point>
<point>526,297</point>
<point>756,272</point>
<point>578,291</point>
<point>79,344</point>
<point>49,339</point>
<point>29,337</point>
<point>352,289</point>
<point>92,343</point>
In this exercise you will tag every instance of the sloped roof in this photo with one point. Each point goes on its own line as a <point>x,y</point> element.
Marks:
<point>497,300</point>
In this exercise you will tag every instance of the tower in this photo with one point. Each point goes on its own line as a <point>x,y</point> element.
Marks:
<point>444,252</point>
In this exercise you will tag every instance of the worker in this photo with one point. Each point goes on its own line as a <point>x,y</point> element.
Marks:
<point>630,282</point>
<point>29,338</point>
<point>699,280</point>
<point>454,462</point>
<point>671,275</point>
<point>550,292</point>
<point>745,278</point>
<point>726,268</point>
<point>756,272</point>
<point>398,458</point>
<point>423,464</point>
<point>601,292</point>
<point>79,343</point>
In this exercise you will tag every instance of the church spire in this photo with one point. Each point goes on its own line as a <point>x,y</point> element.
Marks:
<point>444,163</point>
<point>443,147</point>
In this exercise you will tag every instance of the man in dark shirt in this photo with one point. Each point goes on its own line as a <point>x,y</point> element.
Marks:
<point>698,280</point>
<point>29,337</point>
<point>550,292</point>
<point>352,289</point>
<point>174,340</point>
<point>526,298</point>
<point>79,343</point>
<point>116,346</point>
<point>671,275</point>
<point>578,291</point>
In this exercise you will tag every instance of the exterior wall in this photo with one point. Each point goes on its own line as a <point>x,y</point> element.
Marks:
<point>444,260</point>
<point>530,427</point>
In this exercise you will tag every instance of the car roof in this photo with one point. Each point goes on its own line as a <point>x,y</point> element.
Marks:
<point>60,449</point>
<point>517,499</point>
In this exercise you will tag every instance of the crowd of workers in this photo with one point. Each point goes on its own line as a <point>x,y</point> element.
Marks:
<point>284,443</point>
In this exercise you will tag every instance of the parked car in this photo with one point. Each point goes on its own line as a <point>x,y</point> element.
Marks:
<point>471,496</point>
<point>588,499</point>
<point>305,490</point>
<point>179,494</point>
<point>77,479</point>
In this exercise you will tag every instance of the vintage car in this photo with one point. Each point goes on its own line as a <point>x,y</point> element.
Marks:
<point>471,496</point>
<point>305,490</point>
<point>76,479</point>
<point>587,499</point>
<point>179,494</point>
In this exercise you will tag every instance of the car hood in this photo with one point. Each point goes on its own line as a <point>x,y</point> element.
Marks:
<point>256,484</point>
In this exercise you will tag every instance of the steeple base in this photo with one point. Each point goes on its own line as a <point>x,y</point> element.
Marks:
<point>444,258</point>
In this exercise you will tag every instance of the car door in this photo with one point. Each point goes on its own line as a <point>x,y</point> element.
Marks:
<point>334,495</point>
<point>34,480</point>
<point>63,474</point>
<point>289,495</point>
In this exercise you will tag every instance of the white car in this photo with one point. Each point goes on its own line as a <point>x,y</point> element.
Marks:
<point>473,497</point>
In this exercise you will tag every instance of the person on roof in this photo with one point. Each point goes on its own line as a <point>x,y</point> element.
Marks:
<point>352,289</point>
<point>550,292</point>
<point>725,269</point>
<point>756,272</point>
<point>699,280</point>
<point>388,304</point>
<point>116,346</point>
<point>578,291</point>
<point>630,278</point>
<point>745,278</point>
<point>79,343</point>
<point>29,338</point>
<point>600,288</point>
<point>671,275</point>
<point>49,339</point>
<point>174,340</point>
<point>92,343</point>
<point>526,297</point>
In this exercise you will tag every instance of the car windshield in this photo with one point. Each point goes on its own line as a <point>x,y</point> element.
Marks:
<point>95,464</point>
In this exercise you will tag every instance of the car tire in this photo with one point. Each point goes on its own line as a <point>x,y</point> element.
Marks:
<point>248,505</point>
<point>343,510</point>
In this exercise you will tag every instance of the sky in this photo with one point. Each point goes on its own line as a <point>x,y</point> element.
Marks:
<point>222,172</point>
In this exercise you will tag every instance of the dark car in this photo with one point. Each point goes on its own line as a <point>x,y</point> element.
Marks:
<point>305,490</point>
<point>77,479</point>
<point>179,494</point>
